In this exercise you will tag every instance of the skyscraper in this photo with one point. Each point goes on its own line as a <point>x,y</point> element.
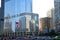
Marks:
<point>18,6</point>
<point>57,15</point>
<point>1,16</point>
<point>50,14</point>
<point>13,7</point>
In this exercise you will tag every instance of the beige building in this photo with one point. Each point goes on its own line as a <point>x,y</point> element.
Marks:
<point>45,24</point>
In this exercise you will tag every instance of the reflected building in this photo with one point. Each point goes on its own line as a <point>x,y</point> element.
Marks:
<point>13,7</point>
<point>18,6</point>
<point>32,26</point>
<point>29,23</point>
<point>21,27</point>
<point>7,26</point>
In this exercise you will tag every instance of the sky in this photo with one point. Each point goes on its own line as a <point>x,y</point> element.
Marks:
<point>42,6</point>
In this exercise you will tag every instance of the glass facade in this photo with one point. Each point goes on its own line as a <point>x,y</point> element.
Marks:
<point>14,7</point>
<point>18,6</point>
<point>57,14</point>
<point>1,16</point>
<point>35,18</point>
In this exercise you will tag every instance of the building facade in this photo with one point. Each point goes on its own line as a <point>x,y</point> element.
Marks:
<point>1,16</point>
<point>19,28</point>
<point>57,15</point>
<point>34,17</point>
<point>50,13</point>
<point>29,22</point>
<point>45,25</point>
<point>18,6</point>
<point>14,7</point>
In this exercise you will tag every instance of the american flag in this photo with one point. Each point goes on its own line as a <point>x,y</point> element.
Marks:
<point>18,24</point>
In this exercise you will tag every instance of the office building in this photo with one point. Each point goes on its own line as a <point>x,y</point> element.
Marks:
<point>14,7</point>
<point>32,26</point>
<point>18,6</point>
<point>57,15</point>
<point>50,13</point>
<point>29,22</point>
<point>45,25</point>
<point>1,16</point>
<point>33,17</point>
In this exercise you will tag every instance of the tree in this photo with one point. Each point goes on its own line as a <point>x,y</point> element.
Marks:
<point>52,33</point>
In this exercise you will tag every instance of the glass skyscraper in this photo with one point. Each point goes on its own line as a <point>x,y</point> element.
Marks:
<point>14,7</point>
<point>18,6</point>
<point>57,15</point>
<point>1,16</point>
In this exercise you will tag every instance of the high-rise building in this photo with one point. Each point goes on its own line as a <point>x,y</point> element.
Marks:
<point>1,16</point>
<point>50,13</point>
<point>57,15</point>
<point>14,7</point>
<point>45,25</point>
<point>18,6</point>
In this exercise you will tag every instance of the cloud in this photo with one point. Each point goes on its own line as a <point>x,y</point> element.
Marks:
<point>41,7</point>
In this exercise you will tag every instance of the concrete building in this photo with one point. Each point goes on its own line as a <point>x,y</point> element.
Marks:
<point>57,15</point>
<point>45,25</point>
<point>50,13</point>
